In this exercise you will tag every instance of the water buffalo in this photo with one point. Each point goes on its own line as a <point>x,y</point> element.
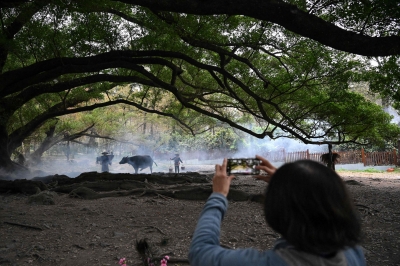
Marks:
<point>139,162</point>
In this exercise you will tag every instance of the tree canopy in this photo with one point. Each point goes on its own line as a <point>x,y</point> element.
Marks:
<point>282,66</point>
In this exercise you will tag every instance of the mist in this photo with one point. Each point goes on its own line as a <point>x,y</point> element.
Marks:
<point>194,161</point>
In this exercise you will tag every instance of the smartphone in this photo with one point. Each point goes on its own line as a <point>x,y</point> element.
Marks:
<point>243,166</point>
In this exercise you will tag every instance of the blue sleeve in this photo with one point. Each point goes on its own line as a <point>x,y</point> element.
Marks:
<point>205,248</point>
<point>355,256</point>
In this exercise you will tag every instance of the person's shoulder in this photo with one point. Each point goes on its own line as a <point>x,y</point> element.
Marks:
<point>273,259</point>
<point>355,256</point>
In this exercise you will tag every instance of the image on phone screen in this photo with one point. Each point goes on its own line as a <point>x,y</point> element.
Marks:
<point>243,166</point>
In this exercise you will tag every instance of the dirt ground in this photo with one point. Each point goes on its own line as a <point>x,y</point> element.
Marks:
<point>100,232</point>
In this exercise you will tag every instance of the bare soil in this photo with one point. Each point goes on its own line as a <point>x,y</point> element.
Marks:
<point>100,232</point>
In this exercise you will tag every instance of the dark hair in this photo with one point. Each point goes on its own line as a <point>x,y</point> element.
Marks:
<point>308,204</point>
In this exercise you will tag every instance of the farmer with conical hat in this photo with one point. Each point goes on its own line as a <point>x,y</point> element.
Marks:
<point>105,161</point>
<point>177,160</point>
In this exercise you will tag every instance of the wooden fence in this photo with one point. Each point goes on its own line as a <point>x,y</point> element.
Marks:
<point>346,157</point>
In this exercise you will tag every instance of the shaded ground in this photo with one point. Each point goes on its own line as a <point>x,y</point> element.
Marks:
<point>99,232</point>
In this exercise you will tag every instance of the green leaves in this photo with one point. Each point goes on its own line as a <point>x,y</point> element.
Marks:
<point>198,70</point>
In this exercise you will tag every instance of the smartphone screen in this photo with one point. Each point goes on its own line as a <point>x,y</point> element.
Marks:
<point>243,166</point>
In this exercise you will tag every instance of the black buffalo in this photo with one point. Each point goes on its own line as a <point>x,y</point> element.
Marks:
<point>139,162</point>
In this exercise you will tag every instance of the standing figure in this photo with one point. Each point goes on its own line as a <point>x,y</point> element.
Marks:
<point>105,161</point>
<point>177,161</point>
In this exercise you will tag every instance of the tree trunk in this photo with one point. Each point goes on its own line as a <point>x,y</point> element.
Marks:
<point>48,142</point>
<point>7,166</point>
<point>6,163</point>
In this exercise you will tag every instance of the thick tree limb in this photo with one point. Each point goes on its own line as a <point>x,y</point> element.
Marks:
<point>289,17</point>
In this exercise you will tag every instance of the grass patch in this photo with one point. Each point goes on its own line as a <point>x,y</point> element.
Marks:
<point>368,170</point>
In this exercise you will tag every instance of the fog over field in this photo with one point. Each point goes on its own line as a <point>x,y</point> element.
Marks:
<point>192,162</point>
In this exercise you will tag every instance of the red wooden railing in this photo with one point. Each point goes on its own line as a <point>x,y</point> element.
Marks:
<point>346,157</point>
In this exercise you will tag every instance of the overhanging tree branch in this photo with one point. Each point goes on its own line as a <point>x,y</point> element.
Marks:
<point>288,16</point>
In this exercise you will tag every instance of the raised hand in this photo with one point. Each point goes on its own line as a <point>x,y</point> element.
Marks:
<point>221,181</point>
<point>267,167</point>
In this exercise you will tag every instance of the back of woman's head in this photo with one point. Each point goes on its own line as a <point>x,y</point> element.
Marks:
<point>308,204</point>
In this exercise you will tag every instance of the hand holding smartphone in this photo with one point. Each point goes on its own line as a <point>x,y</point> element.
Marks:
<point>243,166</point>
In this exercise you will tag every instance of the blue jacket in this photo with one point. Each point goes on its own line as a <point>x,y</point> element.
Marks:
<point>205,249</point>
